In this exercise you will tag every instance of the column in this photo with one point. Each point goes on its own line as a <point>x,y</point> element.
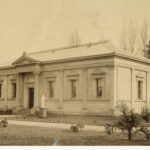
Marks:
<point>18,89</point>
<point>85,88</point>
<point>21,90</point>
<point>36,88</point>
<point>61,88</point>
<point>133,88</point>
<point>6,93</point>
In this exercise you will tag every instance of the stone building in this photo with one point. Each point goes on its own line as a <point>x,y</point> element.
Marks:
<point>87,80</point>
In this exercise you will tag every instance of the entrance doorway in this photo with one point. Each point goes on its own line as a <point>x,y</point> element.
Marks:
<point>31,98</point>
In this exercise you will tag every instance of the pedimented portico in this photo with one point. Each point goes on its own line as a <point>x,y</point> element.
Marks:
<point>27,77</point>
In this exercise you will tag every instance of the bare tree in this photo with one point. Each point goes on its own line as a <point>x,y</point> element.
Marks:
<point>72,40</point>
<point>128,37</point>
<point>133,39</point>
<point>144,34</point>
<point>123,39</point>
<point>75,39</point>
<point>132,36</point>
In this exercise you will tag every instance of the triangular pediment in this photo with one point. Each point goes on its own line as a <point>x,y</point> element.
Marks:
<point>24,60</point>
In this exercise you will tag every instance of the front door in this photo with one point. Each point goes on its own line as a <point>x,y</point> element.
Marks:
<point>31,97</point>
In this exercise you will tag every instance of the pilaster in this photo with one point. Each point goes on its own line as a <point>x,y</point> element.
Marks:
<point>21,90</point>
<point>114,87</point>
<point>85,88</point>
<point>133,88</point>
<point>18,89</point>
<point>6,93</point>
<point>61,88</point>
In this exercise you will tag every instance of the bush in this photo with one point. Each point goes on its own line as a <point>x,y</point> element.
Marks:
<point>145,114</point>
<point>4,123</point>
<point>128,120</point>
<point>74,128</point>
<point>110,128</point>
<point>6,112</point>
<point>143,130</point>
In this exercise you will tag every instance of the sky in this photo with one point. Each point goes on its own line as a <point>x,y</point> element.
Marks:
<point>35,25</point>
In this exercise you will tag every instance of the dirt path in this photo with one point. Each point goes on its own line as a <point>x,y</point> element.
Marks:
<point>54,125</point>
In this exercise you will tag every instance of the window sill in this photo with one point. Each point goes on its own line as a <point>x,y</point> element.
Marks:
<point>72,100</point>
<point>140,100</point>
<point>51,100</point>
<point>98,100</point>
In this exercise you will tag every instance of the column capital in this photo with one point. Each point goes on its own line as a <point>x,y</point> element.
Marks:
<point>36,73</point>
<point>61,70</point>
<point>85,68</point>
<point>37,70</point>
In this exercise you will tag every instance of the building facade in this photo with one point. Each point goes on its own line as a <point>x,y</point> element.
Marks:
<point>86,80</point>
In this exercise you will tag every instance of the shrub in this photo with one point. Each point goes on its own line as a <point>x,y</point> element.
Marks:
<point>74,128</point>
<point>145,114</point>
<point>128,120</point>
<point>143,130</point>
<point>110,128</point>
<point>4,123</point>
<point>6,112</point>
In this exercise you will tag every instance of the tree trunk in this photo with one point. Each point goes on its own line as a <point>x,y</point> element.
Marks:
<point>129,134</point>
<point>147,136</point>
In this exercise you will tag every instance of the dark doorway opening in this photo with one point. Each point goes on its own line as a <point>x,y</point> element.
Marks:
<point>31,97</point>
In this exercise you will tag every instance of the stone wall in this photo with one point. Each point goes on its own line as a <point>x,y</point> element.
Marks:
<point>129,73</point>
<point>86,102</point>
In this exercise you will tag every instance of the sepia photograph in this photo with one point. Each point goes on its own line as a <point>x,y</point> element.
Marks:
<point>74,73</point>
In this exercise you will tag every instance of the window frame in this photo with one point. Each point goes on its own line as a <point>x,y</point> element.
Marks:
<point>140,89</point>
<point>13,96</point>
<point>72,88</point>
<point>49,79</point>
<point>101,76</point>
<point>97,88</point>
<point>141,80</point>
<point>69,88</point>
<point>14,87</point>
<point>50,82</point>
<point>1,89</point>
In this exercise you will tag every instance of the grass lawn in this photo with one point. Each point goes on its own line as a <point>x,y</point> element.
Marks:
<point>87,120</point>
<point>23,135</point>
